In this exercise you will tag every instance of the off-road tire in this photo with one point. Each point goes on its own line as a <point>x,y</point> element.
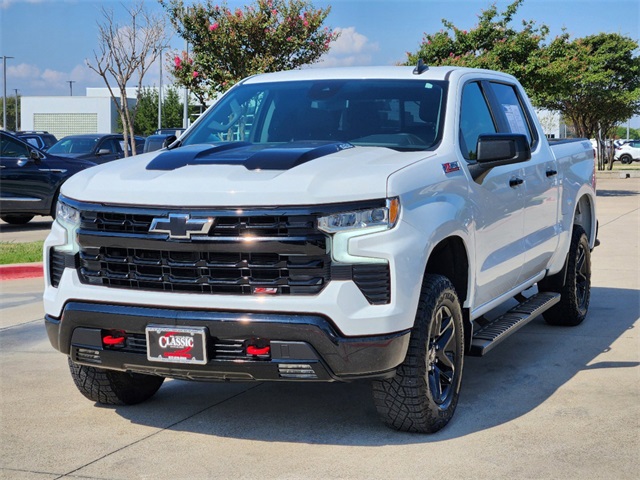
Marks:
<point>17,219</point>
<point>423,394</point>
<point>111,387</point>
<point>576,290</point>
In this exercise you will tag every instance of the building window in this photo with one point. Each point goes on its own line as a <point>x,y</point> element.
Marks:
<point>63,124</point>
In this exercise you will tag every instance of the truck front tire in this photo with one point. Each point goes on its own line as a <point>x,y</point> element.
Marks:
<point>423,394</point>
<point>575,291</point>
<point>110,387</point>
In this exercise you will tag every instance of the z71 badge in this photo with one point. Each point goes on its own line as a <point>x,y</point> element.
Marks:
<point>451,167</point>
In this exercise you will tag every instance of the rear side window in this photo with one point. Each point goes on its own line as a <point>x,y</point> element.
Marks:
<point>475,119</point>
<point>512,109</point>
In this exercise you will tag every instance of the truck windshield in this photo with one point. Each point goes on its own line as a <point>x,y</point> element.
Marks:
<point>399,114</point>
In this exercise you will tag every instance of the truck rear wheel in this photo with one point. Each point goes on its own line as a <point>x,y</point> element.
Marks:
<point>423,394</point>
<point>575,291</point>
<point>111,387</point>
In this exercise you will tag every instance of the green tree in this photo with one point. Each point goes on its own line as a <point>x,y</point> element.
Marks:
<point>146,120</point>
<point>493,44</point>
<point>11,112</point>
<point>227,46</point>
<point>596,81</point>
<point>593,81</point>
<point>621,132</point>
<point>172,109</point>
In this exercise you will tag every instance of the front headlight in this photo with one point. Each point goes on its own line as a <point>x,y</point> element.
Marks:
<point>380,218</point>
<point>67,215</point>
<point>69,218</point>
<point>347,225</point>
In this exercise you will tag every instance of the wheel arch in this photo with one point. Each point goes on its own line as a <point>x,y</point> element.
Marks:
<point>450,259</point>
<point>584,214</point>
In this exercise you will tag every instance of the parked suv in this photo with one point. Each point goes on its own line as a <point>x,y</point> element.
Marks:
<point>31,179</point>
<point>161,138</point>
<point>628,152</point>
<point>96,147</point>
<point>42,140</point>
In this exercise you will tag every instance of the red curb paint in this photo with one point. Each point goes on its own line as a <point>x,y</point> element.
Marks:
<point>14,272</point>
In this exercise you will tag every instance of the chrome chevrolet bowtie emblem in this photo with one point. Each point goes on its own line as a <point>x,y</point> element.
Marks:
<point>181,227</point>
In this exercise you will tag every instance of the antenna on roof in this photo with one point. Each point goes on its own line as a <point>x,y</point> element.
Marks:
<point>420,68</point>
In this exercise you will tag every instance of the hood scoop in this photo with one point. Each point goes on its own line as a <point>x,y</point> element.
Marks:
<point>252,157</point>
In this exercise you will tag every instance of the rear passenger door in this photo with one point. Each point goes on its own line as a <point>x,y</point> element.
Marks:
<point>540,187</point>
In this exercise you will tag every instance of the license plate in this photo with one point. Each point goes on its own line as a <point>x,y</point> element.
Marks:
<point>186,345</point>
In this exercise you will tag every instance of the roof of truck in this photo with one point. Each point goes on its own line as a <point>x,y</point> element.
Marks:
<point>386,73</point>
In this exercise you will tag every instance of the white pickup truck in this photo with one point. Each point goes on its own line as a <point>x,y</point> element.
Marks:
<point>325,225</point>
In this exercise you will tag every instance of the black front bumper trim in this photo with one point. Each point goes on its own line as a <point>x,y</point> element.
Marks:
<point>306,339</point>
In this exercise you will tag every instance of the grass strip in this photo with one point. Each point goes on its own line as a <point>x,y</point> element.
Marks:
<point>12,252</point>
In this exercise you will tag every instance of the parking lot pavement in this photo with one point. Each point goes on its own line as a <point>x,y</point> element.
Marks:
<point>36,229</point>
<point>556,403</point>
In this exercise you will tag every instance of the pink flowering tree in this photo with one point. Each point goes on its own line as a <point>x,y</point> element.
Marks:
<point>228,45</point>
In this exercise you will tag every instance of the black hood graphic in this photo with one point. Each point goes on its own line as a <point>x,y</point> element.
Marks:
<point>252,157</point>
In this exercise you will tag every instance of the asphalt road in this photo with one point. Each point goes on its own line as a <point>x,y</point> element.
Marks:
<point>554,403</point>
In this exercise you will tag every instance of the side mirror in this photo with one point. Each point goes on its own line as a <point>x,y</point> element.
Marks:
<point>35,156</point>
<point>104,151</point>
<point>503,149</point>
<point>497,149</point>
<point>169,140</point>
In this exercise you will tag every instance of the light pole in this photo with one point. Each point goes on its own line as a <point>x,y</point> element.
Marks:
<point>160,93</point>
<point>71,82</point>
<point>4,98</point>
<point>16,90</point>
<point>185,111</point>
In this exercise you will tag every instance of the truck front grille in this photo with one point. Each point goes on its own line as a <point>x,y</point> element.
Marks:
<point>204,272</point>
<point>259,251</point>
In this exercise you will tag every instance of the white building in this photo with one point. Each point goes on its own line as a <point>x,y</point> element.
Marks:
<point>552,123</point>
<point>62,116</point>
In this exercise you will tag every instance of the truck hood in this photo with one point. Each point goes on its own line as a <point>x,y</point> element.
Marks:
<point>241,174</point>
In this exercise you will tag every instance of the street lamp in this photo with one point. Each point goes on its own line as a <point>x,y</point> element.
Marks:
<point>4,98</point>
<point>71,82</point>
<point>160,93</point>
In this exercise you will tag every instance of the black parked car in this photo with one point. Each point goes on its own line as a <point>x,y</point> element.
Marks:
<point>96,147</point>
<point>161,138</point>
<point>41,139</point>
<point>30,179</point>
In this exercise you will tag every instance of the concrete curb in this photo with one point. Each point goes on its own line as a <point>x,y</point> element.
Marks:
<point>21,270</point>
<point>618,174</point>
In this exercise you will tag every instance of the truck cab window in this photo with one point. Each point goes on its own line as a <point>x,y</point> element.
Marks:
<point>475,119</point>
<point>512,109</point>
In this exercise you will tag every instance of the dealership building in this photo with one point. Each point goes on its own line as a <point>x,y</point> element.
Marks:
<point>62,116</point>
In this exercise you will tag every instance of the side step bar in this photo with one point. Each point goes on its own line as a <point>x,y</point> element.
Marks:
<point>490,335</point>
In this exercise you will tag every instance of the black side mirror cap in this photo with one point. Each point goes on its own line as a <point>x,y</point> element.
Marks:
<point>497,149</point>
<point>35,156</point>
<point>503,149</point>
<point>169,140</point>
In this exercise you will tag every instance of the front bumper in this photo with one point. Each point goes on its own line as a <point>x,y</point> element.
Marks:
<point>303,347</point>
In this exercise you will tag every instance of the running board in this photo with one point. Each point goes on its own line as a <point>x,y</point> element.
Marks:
<point>490,335</point>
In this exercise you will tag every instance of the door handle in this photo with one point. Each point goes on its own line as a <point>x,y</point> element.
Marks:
<point>551,173</point>
<point>514,182</point>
